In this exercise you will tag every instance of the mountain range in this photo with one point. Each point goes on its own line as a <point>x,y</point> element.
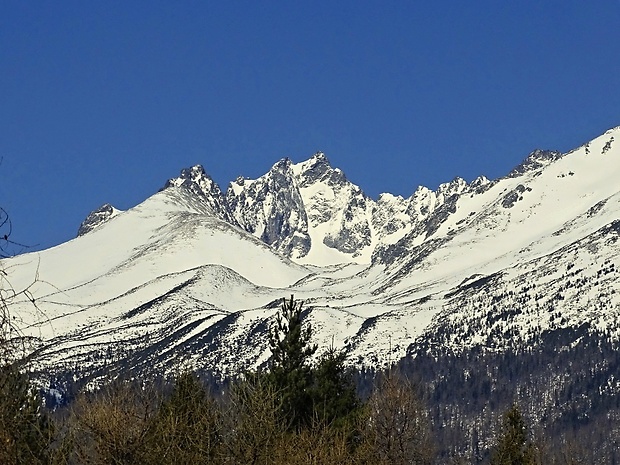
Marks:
<point>194,275</point>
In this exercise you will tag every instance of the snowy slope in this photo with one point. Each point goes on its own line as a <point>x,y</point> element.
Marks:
<point>193,275</point>
<point>311,213</point>
<point>169,261</point>
<point>516,219</point>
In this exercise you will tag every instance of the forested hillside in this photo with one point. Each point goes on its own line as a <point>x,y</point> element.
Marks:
<point>430,408</point>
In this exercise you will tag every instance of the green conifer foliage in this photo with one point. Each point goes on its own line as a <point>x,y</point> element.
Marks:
<point>26,432</point>
<point>334,398</point>
<point>513,446</point>
<point>290,369</point>
<point>187,426</point>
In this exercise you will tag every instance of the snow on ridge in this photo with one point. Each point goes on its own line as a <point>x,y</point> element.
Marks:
<point>321,218</point>
<point>517,218</point>
<point>439,261</point>
<point>97,217</point>
<point>301,167</point>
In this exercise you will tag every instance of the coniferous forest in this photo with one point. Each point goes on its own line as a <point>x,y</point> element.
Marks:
<point>540,406</point>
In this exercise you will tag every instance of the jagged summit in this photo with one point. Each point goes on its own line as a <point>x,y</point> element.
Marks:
<point>271,209</point>
<point>197,181</point>
<point>318,169</point>
<point>96,218</point>
<point>534,161</point>
<point>191,273</point>
<point>310,212</point>
<point>194,178</point>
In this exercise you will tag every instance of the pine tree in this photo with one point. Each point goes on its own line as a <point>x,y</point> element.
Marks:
<point>334,398</point>
<point>186,429</point>
<point>290,369</point>
<point>26,431</point>
<point>513,446</point>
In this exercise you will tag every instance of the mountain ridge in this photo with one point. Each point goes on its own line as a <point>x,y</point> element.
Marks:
<point>295,220</point>
<point>481,264</point>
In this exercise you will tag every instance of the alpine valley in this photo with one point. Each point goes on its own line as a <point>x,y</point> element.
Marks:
<point>508,274</point>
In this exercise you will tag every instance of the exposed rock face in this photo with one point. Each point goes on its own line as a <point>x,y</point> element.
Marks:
<point>96,218</point>
<point>534,161</point>
<point>310,212</point>
<point>335,206</point>
<point>196,180</point>
<point>498,266</point>
<point>271,208</point>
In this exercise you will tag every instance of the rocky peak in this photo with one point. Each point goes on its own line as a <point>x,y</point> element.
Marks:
<point>283,165</point>
<point>197,181</point>
<point>421,202</point>
<point>480,185</point>
<point>390,217</point>
<point>479,181</point>
<point>388,199</point>
<point>298,207</point>
<point>97,217</point>
<point>318,169</point>
<point>535,160</point>
<point>204,188</point>
<point>281,172</point>
<point>456,186</point>
<point>271,208</point>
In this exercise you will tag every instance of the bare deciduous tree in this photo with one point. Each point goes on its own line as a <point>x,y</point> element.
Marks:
<point>111,426</point>
<point>255,421</point>
<point>399,428</point>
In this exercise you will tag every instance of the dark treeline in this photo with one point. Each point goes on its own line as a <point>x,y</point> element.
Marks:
<point>294,411</point>
<point>567,384</point>
<point>539,406</point>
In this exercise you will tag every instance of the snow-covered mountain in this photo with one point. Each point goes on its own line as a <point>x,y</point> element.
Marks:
<point>193,275</point>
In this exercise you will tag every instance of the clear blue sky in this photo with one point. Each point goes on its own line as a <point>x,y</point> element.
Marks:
<point>104,101</point>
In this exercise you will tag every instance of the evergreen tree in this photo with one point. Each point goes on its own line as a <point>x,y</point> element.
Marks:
<point>290,369</point>
<point>26,431</point>
<point>186,429</point>
<point>334,398</point>
<point>513,446</point>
